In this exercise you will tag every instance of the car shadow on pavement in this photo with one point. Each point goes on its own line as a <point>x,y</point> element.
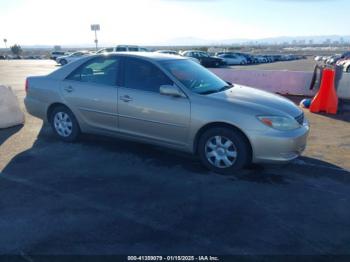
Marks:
<point>97,154</point>
<point>102,195</point>
<point>6,133</point>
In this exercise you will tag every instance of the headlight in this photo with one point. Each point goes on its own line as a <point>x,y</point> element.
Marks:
<point>280,122</point>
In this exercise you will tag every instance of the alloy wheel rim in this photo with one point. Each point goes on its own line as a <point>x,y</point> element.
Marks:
<point>63,124</point>
<point>221,152</point>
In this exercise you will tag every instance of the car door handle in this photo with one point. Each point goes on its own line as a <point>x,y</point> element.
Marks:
<point>126,98</point>
<point>69,89</point>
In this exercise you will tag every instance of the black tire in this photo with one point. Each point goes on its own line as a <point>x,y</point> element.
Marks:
<point>63,62</point>
<point>75,129</point>
<point>243,157</point>
<point>348,69</point>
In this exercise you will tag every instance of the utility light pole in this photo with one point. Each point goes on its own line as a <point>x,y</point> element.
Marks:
<point>95,27</point>
<point>5,41</point>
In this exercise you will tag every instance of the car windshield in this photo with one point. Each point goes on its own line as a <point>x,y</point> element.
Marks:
<point>195,77</point>
<point>101,51</point>
<point>78,53</point>
<point>201,54</point>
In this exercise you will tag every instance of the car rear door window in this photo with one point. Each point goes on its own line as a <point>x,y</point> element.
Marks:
<point>100,70</point>
<point>143,75</point>
<point>121,49</point>
<point>133,49</point>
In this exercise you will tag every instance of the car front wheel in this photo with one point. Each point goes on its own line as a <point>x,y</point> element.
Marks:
<point>224,150</point>
<point>64,124</point>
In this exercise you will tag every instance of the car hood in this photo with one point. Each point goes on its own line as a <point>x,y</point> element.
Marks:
<point>264,101</point>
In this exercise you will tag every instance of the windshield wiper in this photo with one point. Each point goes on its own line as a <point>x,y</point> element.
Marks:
<point>217,90</point>
<point>225,88</point>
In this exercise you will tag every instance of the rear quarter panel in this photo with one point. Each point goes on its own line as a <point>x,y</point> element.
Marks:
<point>42,92</point>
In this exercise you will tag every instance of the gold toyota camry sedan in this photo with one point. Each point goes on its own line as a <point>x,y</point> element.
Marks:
<point>170,101</point>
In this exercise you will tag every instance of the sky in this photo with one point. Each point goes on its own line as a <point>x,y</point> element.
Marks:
<point>147,22</point>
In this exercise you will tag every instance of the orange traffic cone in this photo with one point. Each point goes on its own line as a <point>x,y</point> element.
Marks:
<point>326,100</point>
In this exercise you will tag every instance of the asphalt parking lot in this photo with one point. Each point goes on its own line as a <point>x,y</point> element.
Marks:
<point>107,196</point>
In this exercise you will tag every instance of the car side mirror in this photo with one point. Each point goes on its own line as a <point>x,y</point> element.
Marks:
<point>171,90</point>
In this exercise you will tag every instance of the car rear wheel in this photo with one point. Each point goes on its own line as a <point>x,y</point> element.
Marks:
<point>64,124</point>
<point>63,62</point>
<point>348,69</point>
<point>224,150</point>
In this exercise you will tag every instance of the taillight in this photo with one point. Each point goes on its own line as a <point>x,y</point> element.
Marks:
<point>27,85</point>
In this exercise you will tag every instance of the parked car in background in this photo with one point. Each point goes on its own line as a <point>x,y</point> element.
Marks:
<point>170,101</point>
<point>34,57</point>
<point>260,59</point>
<point>248,57</point>
<point>63,60</point>
<point>346,66</point>
<point>233,59</point>
<point>14,57</point>
<point>143,49</point>
<point>318,58</point>
<point>278,58</point>
<point>204,58</point>
<point>325,58</point>
<point>343,59</point>
<point>122,48</point>
<point>170,52</point>
<point>271,58</point>
<point>333,59</point>
<point>289,57</point>
<point>346,55</point>
<point>55,54</point>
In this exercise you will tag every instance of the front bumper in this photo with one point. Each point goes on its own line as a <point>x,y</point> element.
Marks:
<point>277,146</point>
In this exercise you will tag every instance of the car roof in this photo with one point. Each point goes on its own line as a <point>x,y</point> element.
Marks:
<point>62,72</point>
<point>166,50</point>
<point>148,55</point>
<point>127,46</point>
<point>81,51</point>
<point>200,51</point>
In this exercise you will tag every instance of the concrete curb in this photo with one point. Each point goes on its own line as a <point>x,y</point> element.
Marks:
<point>279,81</point>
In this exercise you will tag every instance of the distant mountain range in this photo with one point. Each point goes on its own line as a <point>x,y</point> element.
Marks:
<point>183,41</point>
<point>193,41</point>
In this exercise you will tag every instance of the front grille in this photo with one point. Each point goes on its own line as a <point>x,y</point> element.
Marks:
<point>300,119</point>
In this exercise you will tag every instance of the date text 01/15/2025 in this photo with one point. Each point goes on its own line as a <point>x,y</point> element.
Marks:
<point>173,258</point>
